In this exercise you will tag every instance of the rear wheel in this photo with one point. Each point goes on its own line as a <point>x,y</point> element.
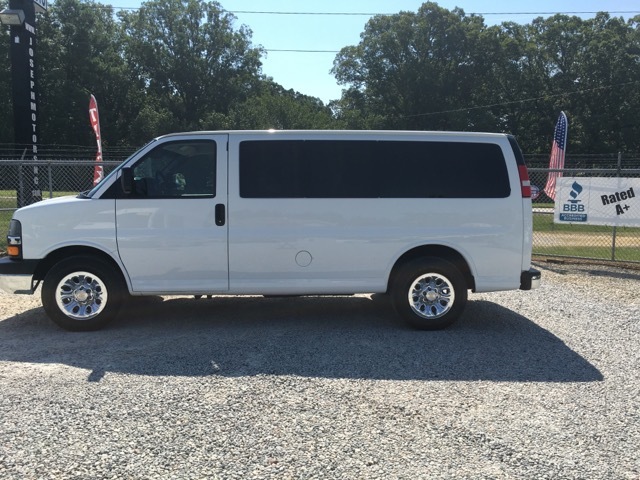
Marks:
<point>82,293</point>
<point>429,293</point>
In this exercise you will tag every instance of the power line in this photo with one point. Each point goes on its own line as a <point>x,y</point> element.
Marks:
<point>364,14</point>
<point>286,50</point>
<point>524,100</point>
<point>268,50</point>
<point>371,14</point>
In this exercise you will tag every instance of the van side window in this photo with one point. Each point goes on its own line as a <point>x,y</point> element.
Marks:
<point>183,169</point>
<point>372,169</point>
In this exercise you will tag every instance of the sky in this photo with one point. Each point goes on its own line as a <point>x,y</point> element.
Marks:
<point>309,73</point>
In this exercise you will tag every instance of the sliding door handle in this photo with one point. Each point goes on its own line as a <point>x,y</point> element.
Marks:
<point>221,216</point>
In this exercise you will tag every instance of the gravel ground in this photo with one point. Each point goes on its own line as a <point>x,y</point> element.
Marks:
<point>535,385</point>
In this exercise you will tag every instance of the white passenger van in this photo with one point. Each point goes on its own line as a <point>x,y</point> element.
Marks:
<point>422,216</point>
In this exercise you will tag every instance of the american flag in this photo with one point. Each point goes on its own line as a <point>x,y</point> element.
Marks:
<point>557,155</point>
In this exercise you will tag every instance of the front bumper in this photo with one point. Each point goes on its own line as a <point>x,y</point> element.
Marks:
<point>16,276</point>
<point>530,279</point>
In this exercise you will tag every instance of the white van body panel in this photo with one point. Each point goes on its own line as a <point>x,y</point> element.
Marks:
<point>352,252</point>
<point>68,222</point>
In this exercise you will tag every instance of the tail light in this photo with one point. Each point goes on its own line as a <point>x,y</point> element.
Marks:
<point>525,183</point>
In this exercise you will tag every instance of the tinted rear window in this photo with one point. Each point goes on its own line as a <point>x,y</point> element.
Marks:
<point>371,169</point>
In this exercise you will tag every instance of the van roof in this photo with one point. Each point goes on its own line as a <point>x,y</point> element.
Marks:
<point>339,133</point>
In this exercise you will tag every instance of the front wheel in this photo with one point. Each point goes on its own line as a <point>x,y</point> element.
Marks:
<point>429,293</point>
<point>82,293</point>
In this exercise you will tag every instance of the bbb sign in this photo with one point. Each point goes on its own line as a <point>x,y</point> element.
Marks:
<point>598,201</point>
<point>573,210</point>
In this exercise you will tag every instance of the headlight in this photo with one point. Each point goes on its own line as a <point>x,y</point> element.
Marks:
<point>14,239</point>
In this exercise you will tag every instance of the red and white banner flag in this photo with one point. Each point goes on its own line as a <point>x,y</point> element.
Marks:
<point>98,171</point>
<point>557,154</point>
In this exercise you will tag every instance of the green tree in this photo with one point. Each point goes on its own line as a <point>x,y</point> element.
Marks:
<point>79,53</point>
<point>608,73</point>
<point>410,66</point>
<point>192,61</point>
<point>277,108</point>
<point>590,69</point>
<point>183,64</point>
<point>440,69</point>
<point>515,88</point>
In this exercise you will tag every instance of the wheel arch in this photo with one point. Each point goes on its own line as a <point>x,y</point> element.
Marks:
<point>439,251</point>
<point>71,251</point>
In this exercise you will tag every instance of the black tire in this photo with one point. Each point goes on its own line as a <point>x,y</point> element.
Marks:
<point>429,293</point>
<point>83,293</point>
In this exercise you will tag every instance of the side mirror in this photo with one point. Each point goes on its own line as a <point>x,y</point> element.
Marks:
<point>126,180</point>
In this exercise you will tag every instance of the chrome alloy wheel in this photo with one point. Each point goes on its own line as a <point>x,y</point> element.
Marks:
<point>431,296</point>
<point>81,295</point>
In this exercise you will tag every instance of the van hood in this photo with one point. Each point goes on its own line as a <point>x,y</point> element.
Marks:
<point>53,201</point>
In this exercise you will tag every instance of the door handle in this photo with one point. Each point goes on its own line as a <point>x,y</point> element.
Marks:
<point>220,215</point>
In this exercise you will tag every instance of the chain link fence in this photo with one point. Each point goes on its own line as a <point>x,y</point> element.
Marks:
<point>55,178</point>
<point>621,244</point>
<point>68,177</point>
<point>66,152</point>
<point>61,170</point>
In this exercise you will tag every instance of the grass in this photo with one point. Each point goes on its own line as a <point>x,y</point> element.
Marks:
<point>623,254</point>
<point>4,228</point>
<point>544,223</point>
<point>8,197</point>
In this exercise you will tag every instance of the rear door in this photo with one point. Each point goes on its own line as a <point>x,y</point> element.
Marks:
<point>172,229</point>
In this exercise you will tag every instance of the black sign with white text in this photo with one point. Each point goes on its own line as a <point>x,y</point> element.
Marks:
<point>25,99</point>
